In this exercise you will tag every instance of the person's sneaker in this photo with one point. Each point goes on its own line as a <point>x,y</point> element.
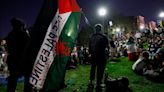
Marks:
<point>103,85</point>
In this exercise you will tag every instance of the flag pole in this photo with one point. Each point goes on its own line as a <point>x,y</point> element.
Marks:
<point>86,19</point>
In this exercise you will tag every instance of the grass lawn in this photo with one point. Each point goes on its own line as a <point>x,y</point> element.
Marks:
<point>77,79</point>
<point>137,83</point>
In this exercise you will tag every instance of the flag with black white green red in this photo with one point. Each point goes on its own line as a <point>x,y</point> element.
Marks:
<point>67,39</point>
<point>37,33</point>
<point>56,47</point>
<point>47,51</point>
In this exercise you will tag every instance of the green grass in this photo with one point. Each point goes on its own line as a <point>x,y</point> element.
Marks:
<point>77,79</point>
<point>19,88</point>
<point>137,83</point>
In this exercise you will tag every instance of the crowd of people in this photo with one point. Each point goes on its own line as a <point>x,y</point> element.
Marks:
<point>150,51</point>
<point>145,48</point>
<point>79,56</point>
<point>3,57</point>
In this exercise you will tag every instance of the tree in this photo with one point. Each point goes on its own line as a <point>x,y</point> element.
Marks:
<point>83,36</point>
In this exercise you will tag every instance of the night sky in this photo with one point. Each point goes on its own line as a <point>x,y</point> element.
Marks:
<point>29,9</point>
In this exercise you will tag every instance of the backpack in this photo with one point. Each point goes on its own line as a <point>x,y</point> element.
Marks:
<point>98,44</point>
<point>117,84</point>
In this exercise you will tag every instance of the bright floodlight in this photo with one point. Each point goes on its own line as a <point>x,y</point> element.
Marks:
<point>142,27</point>
<point>110,23</point>
<point>102,11</point>
<point>118,29</point>
<point>161,15</point>
<point>3,55</point>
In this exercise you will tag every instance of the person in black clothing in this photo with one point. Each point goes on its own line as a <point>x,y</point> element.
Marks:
<point>86,56</point>
<point>17,41</point>
<point>97,48</point>
<point>81,55</point>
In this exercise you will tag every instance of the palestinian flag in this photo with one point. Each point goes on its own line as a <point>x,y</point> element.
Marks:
<point>61,34</point>
<point>56,74</point>
<point>37,33</point>
<point>44,36</point>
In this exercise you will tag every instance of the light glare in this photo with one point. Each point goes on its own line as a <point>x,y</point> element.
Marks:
<point>142,27</point>
<point>102,11</point>
<point>118,29</point>
<point>161,15</point>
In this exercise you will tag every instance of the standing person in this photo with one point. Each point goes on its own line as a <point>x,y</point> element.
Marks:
<point>81,55</point>
<point>131,49</point>
<point>112,48</point>
<point>1,56</point>
<point>97,46</point>
<point>16,42</point>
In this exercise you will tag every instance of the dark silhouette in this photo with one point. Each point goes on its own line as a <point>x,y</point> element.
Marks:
<point>97,48</point>
<point>17,41</point>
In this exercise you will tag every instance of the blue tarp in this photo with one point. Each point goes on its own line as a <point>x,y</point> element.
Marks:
<point>3,80</point>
